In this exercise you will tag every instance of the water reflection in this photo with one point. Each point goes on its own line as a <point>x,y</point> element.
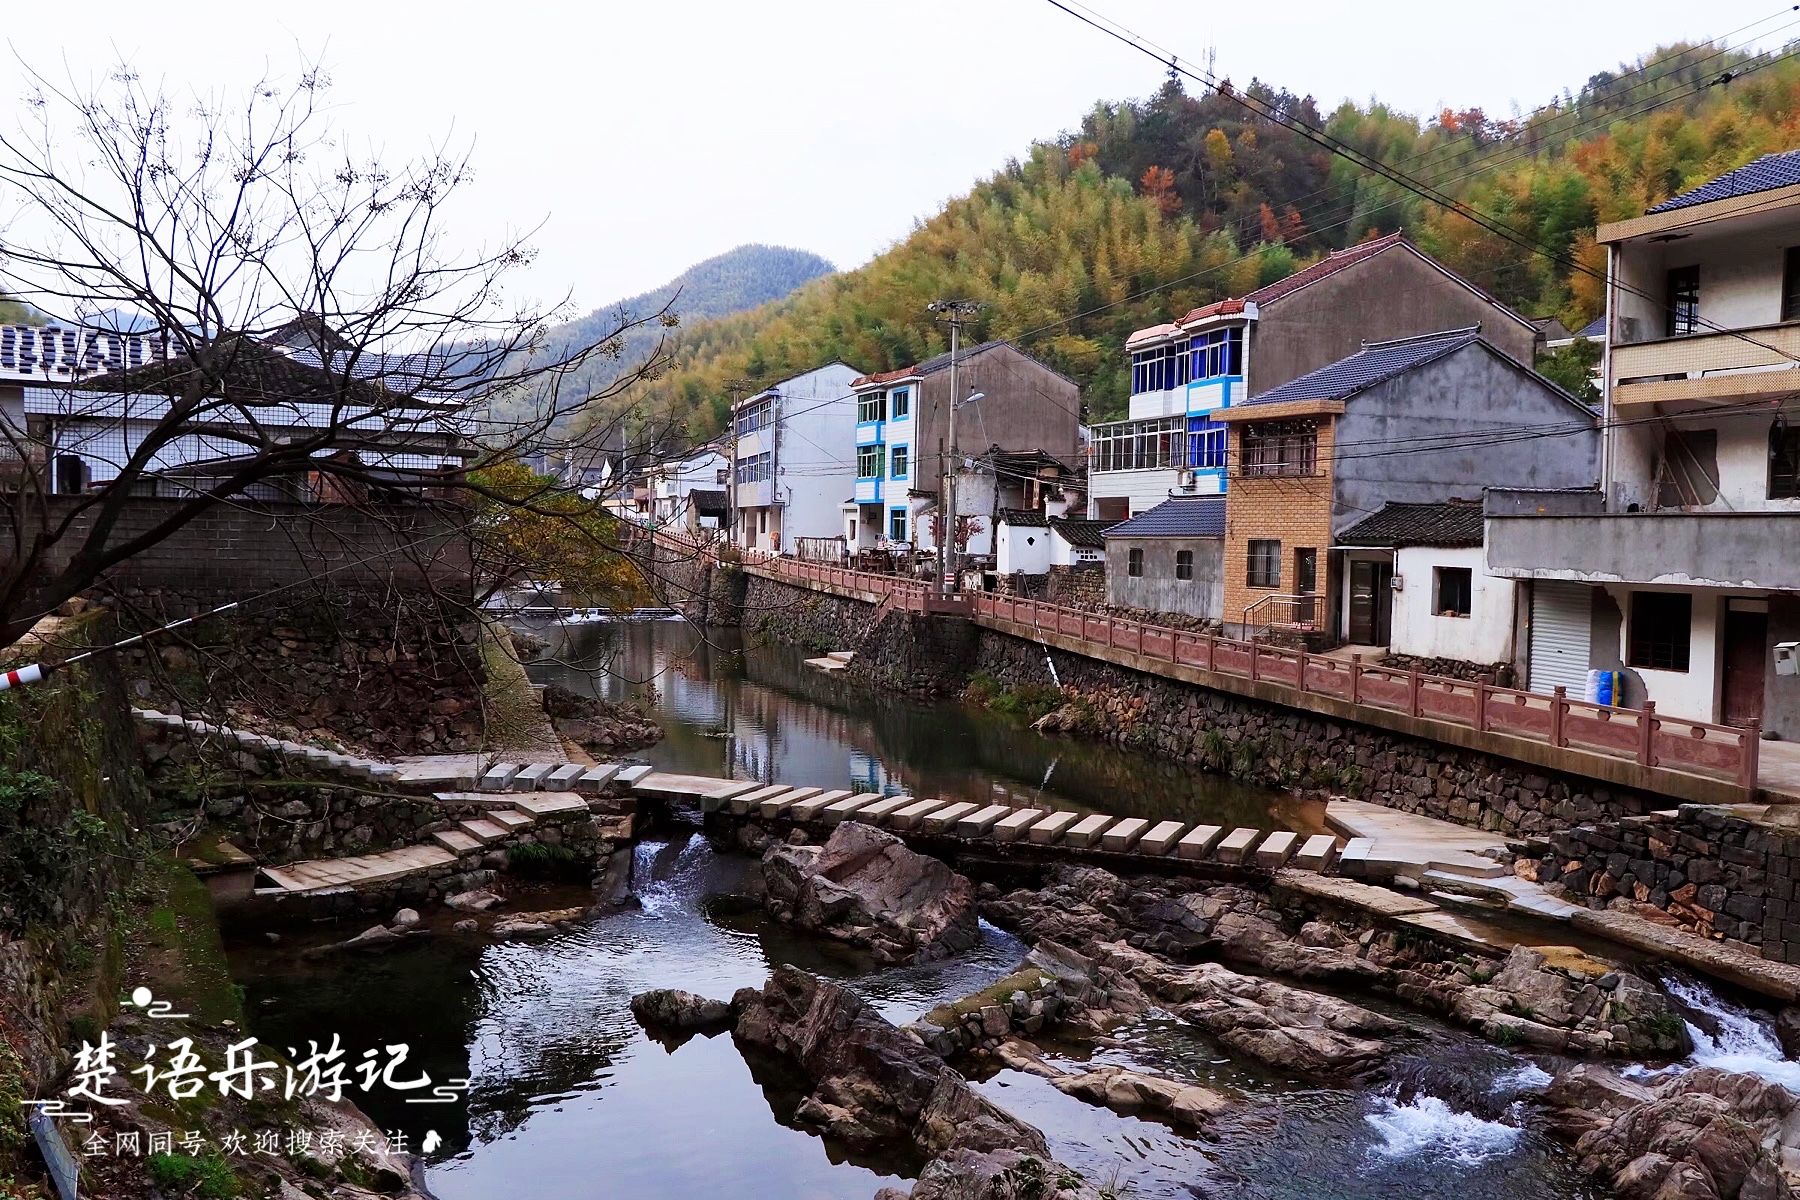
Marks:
<point>756,711</point>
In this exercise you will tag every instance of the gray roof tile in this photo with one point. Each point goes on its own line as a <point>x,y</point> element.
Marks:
<point>1765,174</point>
<point>1375,363</point>
<point>1178,516</point>
<point>1454,523</point>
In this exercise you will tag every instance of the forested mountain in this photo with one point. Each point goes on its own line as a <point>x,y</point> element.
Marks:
<point>728,283</point>
<point>1151,207</point>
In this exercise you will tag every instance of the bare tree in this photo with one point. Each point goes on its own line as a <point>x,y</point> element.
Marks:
<point>253,312</point>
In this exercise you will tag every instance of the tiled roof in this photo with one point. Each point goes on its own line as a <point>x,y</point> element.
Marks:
<point>1176,517</point>
<point>1168,329</point>
<point>1218,308</point>
<point>1373,364</point>
<point>1080,532</point>
<point>708,500</point>
<point>1328,266</point>
<point>1765,174</point>
<point>1595,328</point>
<point>1453,523</point>
<point>1023,518</point>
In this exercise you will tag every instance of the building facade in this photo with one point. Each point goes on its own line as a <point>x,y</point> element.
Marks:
<point>1680,573</point>
<point>1186,373</point>
<point>1420,420</point>
<point>1170,558</point>
<point>793,459</point>
<point>1022,433</point>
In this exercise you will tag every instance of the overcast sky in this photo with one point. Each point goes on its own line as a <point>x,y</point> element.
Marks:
<point>648,136</point>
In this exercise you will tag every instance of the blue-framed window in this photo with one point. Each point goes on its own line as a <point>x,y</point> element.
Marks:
<point>897,524</point>
<point>899,404</point>
<point>898,464</point>
<point>1207,443</point>
<point>868,461</point>
<point>1159,367</point>
<point>1220,352</point>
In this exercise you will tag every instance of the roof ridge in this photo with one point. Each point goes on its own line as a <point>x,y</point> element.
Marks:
<point>1460,331</point>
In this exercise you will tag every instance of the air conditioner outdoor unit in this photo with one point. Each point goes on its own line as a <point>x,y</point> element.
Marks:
<point>1186,479</point>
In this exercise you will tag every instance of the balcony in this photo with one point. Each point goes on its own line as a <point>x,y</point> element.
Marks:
<point>1747,550</point>
<point>1712,367</point>
<point>868,491</point>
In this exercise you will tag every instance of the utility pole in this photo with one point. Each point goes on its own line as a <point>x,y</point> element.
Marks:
<point>949,562</point>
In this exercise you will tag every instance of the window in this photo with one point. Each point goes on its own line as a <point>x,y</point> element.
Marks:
<point>1790,285</point>
<point>897,524</point>
<point>1683,310</point>
<point>898,468</point>
<point>1184,564</point>
<point>1281,448</point>
<point>755,417</point>
<point>868,462</point>
<point>1220,352</point>
<point>1455,591</point>
<point>1134,562</point>
<point>1159,367</point>
<point>755,468</point>
<point>1306,571</point>
<point>1264,567</point>
<point>1207,442</point>
<point>71,475</point>
<point>1661,623</point>
<point>1784,462</point>
<point>1139,445</point>
<point>868,406</point>
<point>900,404</point>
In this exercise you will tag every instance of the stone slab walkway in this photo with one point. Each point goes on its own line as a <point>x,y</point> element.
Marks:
<point>1402,845</point>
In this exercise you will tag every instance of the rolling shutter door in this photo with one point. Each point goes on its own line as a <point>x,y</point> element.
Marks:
<point>1560,632</point>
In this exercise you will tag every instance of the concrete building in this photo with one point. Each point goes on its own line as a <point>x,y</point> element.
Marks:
<point>1442,603</point>
<point>673,481</point>
<point>1417,420</point>
<point>1170,558</point>
<point>1680,572</point>
<point>1185,373</point>
<point>1020,439</point>
<point>1030,543</point>
<point>793,459</point>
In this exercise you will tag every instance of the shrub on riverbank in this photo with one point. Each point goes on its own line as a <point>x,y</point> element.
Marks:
<point>1028,701</point>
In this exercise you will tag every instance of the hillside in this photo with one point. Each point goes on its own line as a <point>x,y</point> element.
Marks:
<point>739,279</point>
<point>1151,207</point>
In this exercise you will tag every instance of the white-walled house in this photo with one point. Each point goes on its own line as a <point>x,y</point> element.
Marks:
<point>1031,542</point>
<point>1442,602</point>
<point>793,459</point>
<point>673,481</point>
<point>1681,571</point>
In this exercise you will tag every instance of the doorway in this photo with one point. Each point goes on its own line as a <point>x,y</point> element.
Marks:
<point>1371,602</point>
<point>1746,645</point>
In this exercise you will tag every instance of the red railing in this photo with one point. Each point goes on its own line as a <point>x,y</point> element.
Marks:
<point>1637,735</point>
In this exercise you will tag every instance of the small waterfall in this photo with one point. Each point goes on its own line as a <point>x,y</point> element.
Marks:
<point>1729,1036</point>
<point>664,875</point>
<point>1527,1077</point>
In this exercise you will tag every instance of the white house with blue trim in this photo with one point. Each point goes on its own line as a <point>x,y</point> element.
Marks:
<point>792,461</point>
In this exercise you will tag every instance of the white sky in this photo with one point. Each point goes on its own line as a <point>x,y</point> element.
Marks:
<point>650,135</point>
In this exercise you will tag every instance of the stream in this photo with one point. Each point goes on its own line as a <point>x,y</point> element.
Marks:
<point>570,1099</point>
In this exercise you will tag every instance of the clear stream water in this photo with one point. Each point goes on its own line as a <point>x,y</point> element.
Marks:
<point>570,1100</point>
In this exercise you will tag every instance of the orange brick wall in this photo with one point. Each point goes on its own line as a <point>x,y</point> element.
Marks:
<point>1294,510</point>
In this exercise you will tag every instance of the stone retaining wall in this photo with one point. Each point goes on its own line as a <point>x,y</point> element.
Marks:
<point>799,616</point>
<point>1710,870</point>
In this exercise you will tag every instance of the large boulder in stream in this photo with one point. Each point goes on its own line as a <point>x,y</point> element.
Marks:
<point>1310,1033</point>
<point>674,1009</point>
<point>867,888</point>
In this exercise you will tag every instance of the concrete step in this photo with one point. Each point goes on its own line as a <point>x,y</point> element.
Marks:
<point>913,814</point>
<point>769,806</point>
<point>943,819</point>
<point>711,793</point>
<point>543,804</point>
<point>367,870</point>
<point>979,822</point>
<point>482,829</point>
<point>1161,837</point>
<point>1276,849</point>
<point>748,800</point>
<point>1199,842</point>
<point>531,777</point>
<point>1124,835</point>
<point>876,812</point>
<point>849,806</point>
<point>1052,827</point>
<point>842,656</point>
<point>629,776</point>
<point>1317,852</point>
<point>563,778</point>
<point>1016,824</point>
<point>456,841</point>
<point>814,809</point>
<point>593,781</point>
<point>512,820</point>
<point>1236,846</point>
<point>498,777</point>
<point>1086,832</point>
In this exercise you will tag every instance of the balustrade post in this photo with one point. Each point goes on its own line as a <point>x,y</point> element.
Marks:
<point>1412,692</point>
<point>1559,706</point>
<point>1140,638</point>
<point>1253,660</point>
<point>1356,679</point>
<point>1303,658</point>
<point>1481,701</point>
<point>1647,723</point>
<point>1751,750</point>
<point>1211,644</point>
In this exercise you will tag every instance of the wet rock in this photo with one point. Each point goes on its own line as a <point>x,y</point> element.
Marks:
<point>1588,1096</point>
<point>517,926</point>
<point>467,925</point>
<point>1787,1030</point>
<point>1306,1032</point>
<point>1531,1002</point>
<point>672,1008</point>
<point>476,900</point>
<point>406,918</point>
<point>867,888</point>
<point>1136,1092</point>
